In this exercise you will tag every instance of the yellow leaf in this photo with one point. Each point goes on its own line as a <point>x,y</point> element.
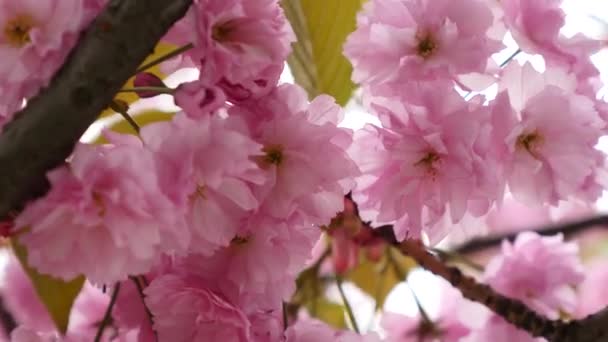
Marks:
<point>160,50</point>
<point>57,295</point>
<point>142,119</point>
<point>317,62</point>
<point>379,278</point>
<point>328,312</point>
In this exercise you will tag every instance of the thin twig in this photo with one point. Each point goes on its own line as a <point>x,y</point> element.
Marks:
<point>168,56</point>
<point>140,290</point>
<point>347,306</point>
<point>107,317</point>
<point>568,229</point>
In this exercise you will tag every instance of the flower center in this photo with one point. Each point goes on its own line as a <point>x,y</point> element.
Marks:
<point>17,31</point>
<point>101,207</point>
<point>530,141</point>
<point>220,32</point>
<point>199,192</point>
<point>426,45</point>
<point>429,162</point>
<point>273,154</point>
<point>239,240</point>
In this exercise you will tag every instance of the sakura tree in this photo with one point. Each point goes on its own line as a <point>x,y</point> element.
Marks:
<point>234,214</point>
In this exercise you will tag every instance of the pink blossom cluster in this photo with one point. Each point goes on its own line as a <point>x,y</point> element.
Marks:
<point>202,223</point>
<point>218,208</point>
<point>35,39</point>
<point>440,157</point>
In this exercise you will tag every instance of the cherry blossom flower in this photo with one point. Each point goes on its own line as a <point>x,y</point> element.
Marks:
<point>496,329</point>
<point>543,36</point>
<point>260,266</point>
<point>434,159</point>
<point>540,271</point>
<point>35,38</point>
<point>551,139</point>
<point>239,45</point>
<point>185,310</point>
<point>420,39</point>
<point>204,166</point>
<point>106,205</point>
<point>303,154</point>
<point>311,330</point>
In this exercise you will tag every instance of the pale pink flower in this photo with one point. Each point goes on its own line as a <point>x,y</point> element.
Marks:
<point>185,310</point>
<point>593,294</point>
<point>420,39</point>
<point>543,37</point>
<point>21,299</point>
<point>310,330</point>
<point>204,166</point>
<point>35,38</point>
<point>303,155</point>
<point>239,45</point>
<point>199,99</point>
<point>260,266</point>
<point>432,160</point>
<point>445,326</point>
<point>496,329</point>
<point>549,140</point>
<point>105,216</point>
<point>540,271</point>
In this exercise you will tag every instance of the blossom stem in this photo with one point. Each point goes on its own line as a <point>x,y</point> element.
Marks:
<point>107,317</point>
<point>402,275</point>
<point>174,53</point>
<point>140,290</point>
<point>568,229</point>
<point>122,109</point>
<point>510,58</point>
<point>347,306</point>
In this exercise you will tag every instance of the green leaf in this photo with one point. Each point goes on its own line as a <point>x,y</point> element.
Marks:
<point>379,278</point>
<point>317,62</point>
<point>57,295</point>
<point>142,119</point>
<point>328,312</point>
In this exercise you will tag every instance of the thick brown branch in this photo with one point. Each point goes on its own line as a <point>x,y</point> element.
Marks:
<point>568,229</point>
<point>43,135</point>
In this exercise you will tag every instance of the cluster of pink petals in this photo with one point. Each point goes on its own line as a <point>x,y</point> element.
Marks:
<point>543,37</point>
<point>434,159</point>
<point>35,38</point>
<point>305,161</point>
<point>204,167</point>
<point>239,45</point>
<point>446,326</point>
<point>438,159</point>
<point>549,138</point>
<point>312,330</point>
<point>420,39</point>
<point>101,207</point>
<point>540,271</point>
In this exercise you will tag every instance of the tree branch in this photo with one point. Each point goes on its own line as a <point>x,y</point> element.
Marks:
<point>590,329</point>
<point>568,229</point>
<point>43,134</point>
